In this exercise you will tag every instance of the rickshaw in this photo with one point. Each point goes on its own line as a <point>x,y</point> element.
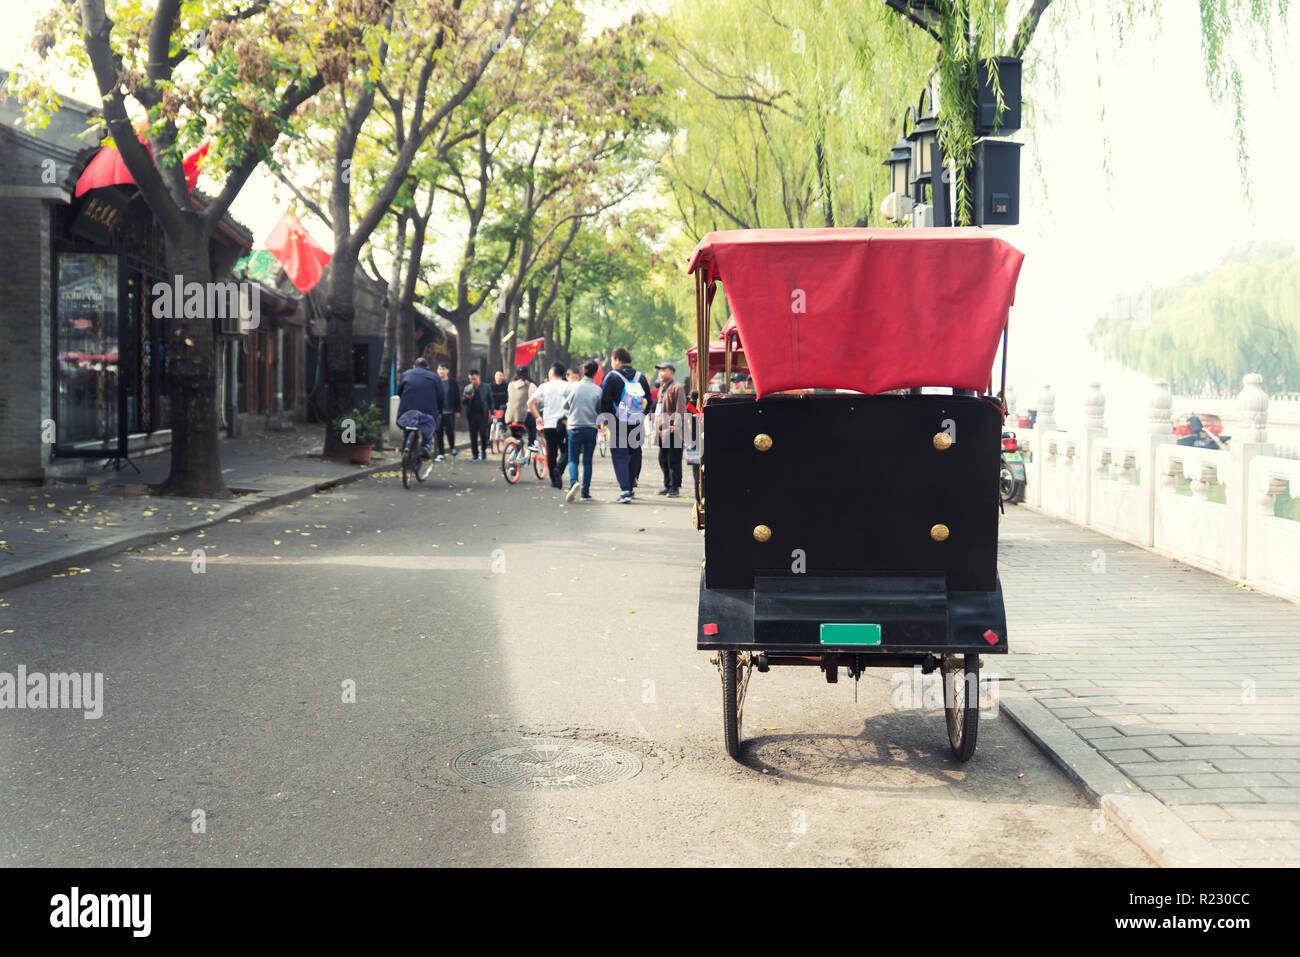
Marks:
<point>831,553</point>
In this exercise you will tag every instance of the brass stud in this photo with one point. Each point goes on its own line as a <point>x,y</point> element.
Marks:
<point>762,533</point>
<point>762,441</point>
<point>939,532</point>
<point>942,441</point>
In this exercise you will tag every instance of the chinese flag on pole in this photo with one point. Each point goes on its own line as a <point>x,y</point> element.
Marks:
<point>303,259</point>
<point>106,168</point>
<point>525,351</point>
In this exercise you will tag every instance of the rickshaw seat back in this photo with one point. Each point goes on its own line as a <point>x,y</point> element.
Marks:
<point>852,485</point>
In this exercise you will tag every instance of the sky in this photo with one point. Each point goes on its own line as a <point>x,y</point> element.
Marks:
<point>1143,197</point>
<point>1170,203</point>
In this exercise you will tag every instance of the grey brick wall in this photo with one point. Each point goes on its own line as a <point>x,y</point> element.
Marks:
<point>25,325</point>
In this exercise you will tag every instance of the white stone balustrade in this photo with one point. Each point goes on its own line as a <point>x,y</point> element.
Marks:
<point>1272,546</point>
<point>1133,490</point>
<point>1196,529</point>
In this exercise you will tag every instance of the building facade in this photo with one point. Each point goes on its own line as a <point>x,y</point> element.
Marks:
<point>82,355</point>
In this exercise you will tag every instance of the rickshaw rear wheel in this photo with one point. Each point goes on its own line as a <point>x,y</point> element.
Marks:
<point>961,702</point>
<point>735,668</point>
<point>730,707</point>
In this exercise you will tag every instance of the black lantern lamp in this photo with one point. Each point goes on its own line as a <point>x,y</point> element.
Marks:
<point>899,160</point>
<point>900,167</point>
<point>923,137</point>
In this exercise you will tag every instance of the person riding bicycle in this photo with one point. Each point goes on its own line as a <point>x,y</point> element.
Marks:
<point>520,391</point>
<point>421,394</point>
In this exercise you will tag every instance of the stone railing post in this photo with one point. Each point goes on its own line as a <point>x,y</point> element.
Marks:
<point>1249,442</point>
<point>1094,427</point>
<point>1159,432</point>
<point>1044,422</point>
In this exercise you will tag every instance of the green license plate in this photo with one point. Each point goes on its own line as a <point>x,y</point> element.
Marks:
<point>852,633</point>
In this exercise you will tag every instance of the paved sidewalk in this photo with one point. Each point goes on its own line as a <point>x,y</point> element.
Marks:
<point>56,529</point>
<point>1185,683</point>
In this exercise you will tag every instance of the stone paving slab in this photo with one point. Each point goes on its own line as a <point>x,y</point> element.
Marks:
<point>1181,684</point>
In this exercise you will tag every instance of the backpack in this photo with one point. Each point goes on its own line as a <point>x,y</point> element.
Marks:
<point>631,406</point>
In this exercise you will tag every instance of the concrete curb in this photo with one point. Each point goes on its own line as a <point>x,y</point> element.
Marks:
<point>1166,837</point>
<point>245,506</point>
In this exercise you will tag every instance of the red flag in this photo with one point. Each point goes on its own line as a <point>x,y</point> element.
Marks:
<point>303,259</point>
<point>106,168</point>
<point>525,351</point>
<point>194,163</point>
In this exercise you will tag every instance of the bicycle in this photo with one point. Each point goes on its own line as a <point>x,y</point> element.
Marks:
<point>416,459</point>
<point>516,454</point>
<point>497,434</point>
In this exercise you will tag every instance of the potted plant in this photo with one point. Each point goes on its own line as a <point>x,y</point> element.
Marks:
<point>361,430</point>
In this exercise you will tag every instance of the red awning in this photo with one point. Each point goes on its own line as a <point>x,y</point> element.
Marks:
<point>864,309</point>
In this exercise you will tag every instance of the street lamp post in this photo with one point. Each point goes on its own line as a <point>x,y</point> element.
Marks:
<point>992,179</point>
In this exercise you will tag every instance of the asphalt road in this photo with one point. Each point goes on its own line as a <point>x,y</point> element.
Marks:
<point>467,612</point>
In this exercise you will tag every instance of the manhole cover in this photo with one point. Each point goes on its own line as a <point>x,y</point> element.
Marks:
<point>536,764</point>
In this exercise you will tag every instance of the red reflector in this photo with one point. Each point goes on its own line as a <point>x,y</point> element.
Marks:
<point>991,636</point>
<point>710,629</point>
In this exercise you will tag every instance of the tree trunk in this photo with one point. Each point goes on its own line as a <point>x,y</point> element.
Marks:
<point>390,318</point>
<point>406,341</point>
<point>191,378</point>
<point>465,349</point>
<point>568,327</point>
<point>340,310</point>
<point>495,357</point>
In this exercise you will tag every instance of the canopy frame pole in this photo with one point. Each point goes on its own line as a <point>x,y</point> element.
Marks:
<point>1002,395</point>
<point>701,380</point>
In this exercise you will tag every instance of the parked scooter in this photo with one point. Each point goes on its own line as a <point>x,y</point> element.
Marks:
<point>1012,478</point>
<point>1194,434</point>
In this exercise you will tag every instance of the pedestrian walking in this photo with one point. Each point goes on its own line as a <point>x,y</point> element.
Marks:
<point>582,408</point>
<point>670,415</point>
<point>447,425</point>
<point>476,402</point>
<point>625,397</point>
<point>547,403</point>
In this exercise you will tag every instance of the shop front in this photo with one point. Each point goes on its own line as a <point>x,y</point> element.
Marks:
<point>108,347</point>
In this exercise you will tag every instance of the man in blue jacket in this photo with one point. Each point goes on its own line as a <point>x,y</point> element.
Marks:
<point>624,402</point>
<point>422,400</point>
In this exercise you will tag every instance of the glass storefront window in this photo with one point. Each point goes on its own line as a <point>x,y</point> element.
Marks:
<point>89,348</point>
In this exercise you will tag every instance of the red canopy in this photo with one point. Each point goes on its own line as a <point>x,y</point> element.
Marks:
<point>718,358</point>
<point>864,309</point>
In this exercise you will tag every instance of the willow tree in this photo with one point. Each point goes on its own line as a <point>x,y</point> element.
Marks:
<point>971,34</point>
<point>1241,316</point>
<point>777,126</point>
<point>182,71</point>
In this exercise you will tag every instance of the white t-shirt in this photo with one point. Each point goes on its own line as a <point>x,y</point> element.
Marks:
<point>550,396</point>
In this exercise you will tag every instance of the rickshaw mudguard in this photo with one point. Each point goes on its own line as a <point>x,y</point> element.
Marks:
<point>916,615</point>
